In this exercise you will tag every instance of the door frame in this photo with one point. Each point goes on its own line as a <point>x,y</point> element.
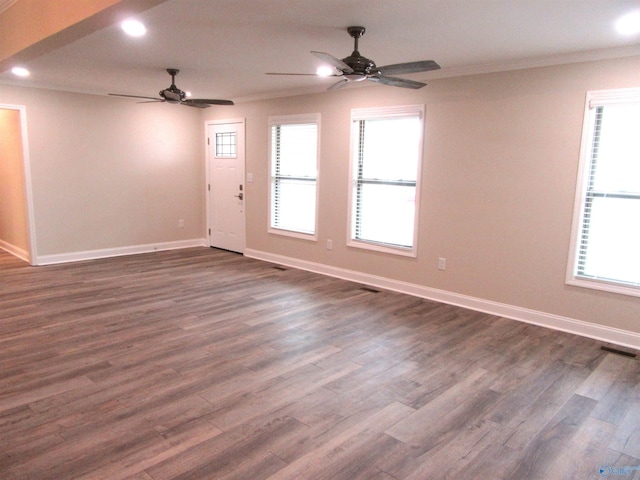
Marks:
<point>208,180</point>
<point>28,185</point>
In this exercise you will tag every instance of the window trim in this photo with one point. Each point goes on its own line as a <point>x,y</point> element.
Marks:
<point>293,120</point>
<point>358,114</point>
<point>594,99</point>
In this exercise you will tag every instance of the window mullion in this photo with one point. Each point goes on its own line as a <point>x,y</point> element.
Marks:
<point>291,177</point>
<point>377,181</point>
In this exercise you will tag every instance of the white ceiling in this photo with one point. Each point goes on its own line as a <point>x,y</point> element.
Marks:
<point>223,48</point>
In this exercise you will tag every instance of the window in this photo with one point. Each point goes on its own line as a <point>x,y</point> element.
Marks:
<point>606,231</point>
<point>386,155</point>
<point>226,145</point>
<point>293,165</point>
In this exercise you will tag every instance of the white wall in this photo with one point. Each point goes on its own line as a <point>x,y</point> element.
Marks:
<point>499,175</point>
<point>109,174</point>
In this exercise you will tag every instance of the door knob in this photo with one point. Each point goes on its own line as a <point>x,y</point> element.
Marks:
<point>240,196</point>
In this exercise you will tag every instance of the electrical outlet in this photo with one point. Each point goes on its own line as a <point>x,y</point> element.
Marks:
<point>442,263</point>
<point>180,223</point>
<point>329,244</point>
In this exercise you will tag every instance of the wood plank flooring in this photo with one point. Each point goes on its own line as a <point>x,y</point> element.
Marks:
<point>203,364</point>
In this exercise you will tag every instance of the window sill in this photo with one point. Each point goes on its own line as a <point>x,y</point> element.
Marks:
<point>595,284</point>
<point>290,233</point>
<point>384,248</point>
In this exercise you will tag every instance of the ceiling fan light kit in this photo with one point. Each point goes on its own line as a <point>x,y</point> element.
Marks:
<point>356,68</point>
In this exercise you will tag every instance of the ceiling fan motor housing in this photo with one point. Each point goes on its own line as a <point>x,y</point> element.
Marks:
<point>173,94</point>
<point>362,66</point>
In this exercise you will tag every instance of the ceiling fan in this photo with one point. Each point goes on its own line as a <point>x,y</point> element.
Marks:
<point>174,95</point>
<point>356,68</point>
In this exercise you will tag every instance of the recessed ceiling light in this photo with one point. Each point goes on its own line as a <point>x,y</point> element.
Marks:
<point>629,24</point>
<point>324,71</point>
<point>20,71</point>
<point>133,28</point>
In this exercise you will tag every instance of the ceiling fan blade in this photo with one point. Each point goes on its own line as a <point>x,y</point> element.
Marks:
<point>409,67</point>
<point>187,103</point>
<point>153,101</point>
<point>303,74</point>
<point>333,61</point>
<point>135,96</point>
<point>339,84</point>
<point>208,101</point>
<point>396,81</point>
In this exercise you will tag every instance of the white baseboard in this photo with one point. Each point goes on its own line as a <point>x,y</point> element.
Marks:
<point>119,251</point>
<point>565,324</point>
<point>21,253</point>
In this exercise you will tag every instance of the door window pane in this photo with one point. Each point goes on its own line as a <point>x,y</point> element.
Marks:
<point>226,145</point>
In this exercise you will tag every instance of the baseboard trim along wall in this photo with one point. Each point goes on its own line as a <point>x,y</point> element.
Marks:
<point>119,251</point>
<point>21,253</point>
<point>565,324</point>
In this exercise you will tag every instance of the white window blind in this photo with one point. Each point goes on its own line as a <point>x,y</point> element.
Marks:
<point>386,157</point>
<point>607,231</point>
<point>293,159</point>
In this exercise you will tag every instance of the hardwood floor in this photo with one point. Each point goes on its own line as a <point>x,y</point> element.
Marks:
<point>203,364</point>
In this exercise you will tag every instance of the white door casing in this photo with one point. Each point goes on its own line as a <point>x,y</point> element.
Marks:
<point>226,193</point>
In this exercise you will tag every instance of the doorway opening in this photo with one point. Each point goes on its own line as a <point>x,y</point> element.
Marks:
<point>17,231</point>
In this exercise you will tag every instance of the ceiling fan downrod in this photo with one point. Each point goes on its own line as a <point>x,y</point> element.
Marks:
<point>356,33</point>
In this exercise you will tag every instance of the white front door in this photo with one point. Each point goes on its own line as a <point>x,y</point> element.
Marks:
<point>225,189</point>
